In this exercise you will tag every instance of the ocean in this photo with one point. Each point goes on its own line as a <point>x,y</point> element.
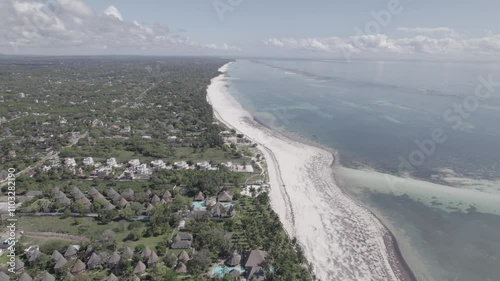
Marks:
<point>418,145</point>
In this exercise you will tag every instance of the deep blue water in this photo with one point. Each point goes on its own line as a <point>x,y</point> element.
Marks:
<point>425,115</point>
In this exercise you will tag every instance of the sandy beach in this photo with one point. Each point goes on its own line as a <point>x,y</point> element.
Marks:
<point>340,238</point>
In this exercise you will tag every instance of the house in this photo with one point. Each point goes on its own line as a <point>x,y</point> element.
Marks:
<point>181,165</point>
<point>78,267</point>
<point>104,171</point>
<point>224,196</point>
<point>134,163</point>
<point>25,277</point>
<point>155,200</point>
<point>183,256</point>
<point>33,256</point>
<point>59,264</point>
<point>111,193</point>
<point>114,259</point>
<point>4,277</point>
<point>254,263</point>
<point>70,162</point>
<point>19,266</point>
<point>140,268</point>
<point>146,252</point>
<point>56,255</point>
<point>167,195</point>
<point>152,259</point>
<point>128,253</point>
<point>94,261</point>
<point>47,277</point>
<point>111,162</point>
<point>221,211</point>
<point>203,165</point>
<point>71,251</point>
<point>181,268</point>
<point>143,170</point>
<point>128,194</point>
<point>227,166</point>
<point>88,161</point>
<point>158,164</point>
<point>199,197</point>
<point>233,260</point>
<point>182,241</point>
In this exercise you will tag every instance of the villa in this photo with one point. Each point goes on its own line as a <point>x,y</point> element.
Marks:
<point>158,164</point>
<point>70,162</point>
<point>205,165</point>
<point>89,161</point>
<point>181,165</point>
<point>111,162</point>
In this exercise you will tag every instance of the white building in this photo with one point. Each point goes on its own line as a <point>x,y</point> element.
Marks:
<point>227,165</point>
<point>134,163</point>
<point>143,170</point>
<point>70,162</point>
<point>203,165</point>
<point>111,162</point>
<point>158,164</point>
<point>181,165</point>
<point>46,169</point>
<point>172,138</point>
<point>89,161</point>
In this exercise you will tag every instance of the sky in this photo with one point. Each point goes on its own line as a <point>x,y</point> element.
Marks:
<point>277,28</point>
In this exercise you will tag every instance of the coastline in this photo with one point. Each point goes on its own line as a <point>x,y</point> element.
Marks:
<point>342,239</point>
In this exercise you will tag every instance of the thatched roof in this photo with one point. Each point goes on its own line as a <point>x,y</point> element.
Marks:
<point>110,207</point>
<point>128,194</point>
<point>183,256</point>
<point>75,191</point>
<point>78,267</point>
<point>155,199</point>
<point>111,192</point>
<point>140,268</point>
<point>71,251</point>
<point>19,264</point>
<point>60,263</point>
<point>224,196</point>
<point>199,197</point>
<point>94,261</point>
<point>256,258</point>
<point>4,277</point>
<point>123,203</point>
<point>234,259</point>
<point>97,196</point>
<point>257,273</point>
<point>128,253</point>
<point>149,208</point>
<point>181,268</point>
<point>78,195</point>
<point>116,198</point>
<point>153,258</point>
<point>114,259</point>
<point>48,277</point>
<point>112,277</point>
<point>56,255</point>
<point>146,252</point>
<point>235,273</point>
<point>25,277</point>
<point>167,195</point>
<point>93,191</point>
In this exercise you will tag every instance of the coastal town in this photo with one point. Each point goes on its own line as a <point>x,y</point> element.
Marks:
<point>124,174</point>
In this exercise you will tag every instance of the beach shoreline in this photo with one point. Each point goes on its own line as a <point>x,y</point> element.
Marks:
<point>342,239</point>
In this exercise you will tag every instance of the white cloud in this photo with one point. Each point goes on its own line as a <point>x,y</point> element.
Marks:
<point>431,31</point>
<point>41,26</point>
<point>112,11</point>
<point>380,44</point>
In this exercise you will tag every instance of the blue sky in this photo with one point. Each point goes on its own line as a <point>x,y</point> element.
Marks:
<point>257,27</point>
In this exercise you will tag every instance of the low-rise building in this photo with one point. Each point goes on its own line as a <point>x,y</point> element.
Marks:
<point>88,161</point>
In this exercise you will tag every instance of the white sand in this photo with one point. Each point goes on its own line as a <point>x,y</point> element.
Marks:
<point>341,239</point>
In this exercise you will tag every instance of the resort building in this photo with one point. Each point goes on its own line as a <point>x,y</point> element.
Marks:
<point>181,165</point>
<point>89,161</point>
<point>158,164</point>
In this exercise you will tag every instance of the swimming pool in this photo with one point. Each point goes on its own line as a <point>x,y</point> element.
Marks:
<point>227,205</point>
<point>197,204</point>
<point>222,270</point>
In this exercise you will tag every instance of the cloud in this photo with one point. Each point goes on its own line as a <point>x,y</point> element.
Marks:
<point>71,26</point>
<point>380,44</point>
<point>112,11</point>
<point>431,31</point>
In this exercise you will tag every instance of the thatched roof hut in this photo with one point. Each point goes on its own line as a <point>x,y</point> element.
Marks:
<point>224,196</point>
<point>71,251</point>
<point>181,268</point>
<point>167,195</point>
<point>94,261</point>
<point>4,277</point>
<point>146,252</point>
<point>155,200</point>
<point>60,263</point>
<point>183,256</point>
<point>152,259</point>
<point>199,197</point>
<point>114,259</point>
<point>234,259</point>
<point>140,268</point>
<point>47,277</point>
<point>78,267</point>
<point>128,253</point>
<point>56,255</point>
<point>112,277</point>
<point>19,265</point>
<point>25,277</point>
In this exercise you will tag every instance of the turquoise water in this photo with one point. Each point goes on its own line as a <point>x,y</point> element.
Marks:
<point>222,270</point>
<point>199,205</point>
<point>227,205</point>
<point>377,113</point>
